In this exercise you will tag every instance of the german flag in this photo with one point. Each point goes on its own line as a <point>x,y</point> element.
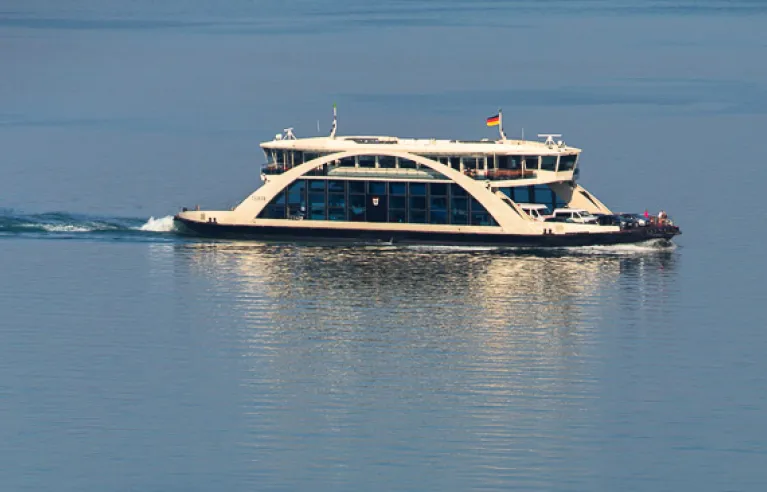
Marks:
<point>494,120</point>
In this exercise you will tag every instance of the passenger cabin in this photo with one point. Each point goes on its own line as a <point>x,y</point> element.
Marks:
<point>397,180</point>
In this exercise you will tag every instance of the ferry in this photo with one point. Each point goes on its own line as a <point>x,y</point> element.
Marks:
<point>423,191</point>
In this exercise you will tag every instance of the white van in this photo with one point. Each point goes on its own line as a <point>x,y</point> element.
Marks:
<point>536,211</point>
<point>577,215</point>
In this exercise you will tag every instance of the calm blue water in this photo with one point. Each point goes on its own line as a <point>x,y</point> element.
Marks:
<point>135,359</point>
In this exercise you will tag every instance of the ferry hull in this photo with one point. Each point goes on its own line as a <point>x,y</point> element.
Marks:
<point>266,233</point>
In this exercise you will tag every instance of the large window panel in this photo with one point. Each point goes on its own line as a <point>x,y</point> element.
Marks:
<point>438,217</point>
<point>418,202</point>
<point>317,205</point>
<point>336,186</point>
<point>417,189</point>
<point>398,189</point>
<point>398,216</point>
<point>357,208</point>
<point>377,187</point>
<point>456,190</point>
<point>406,163</point>
<point>521,194</point>
<point>297,192</point>
<point>459,214</point>
<point>367,161</point>
<point>549,163</point>
<point>317,185</point>
<point>336,200</point>
<point>336,213</point>
<point>481,219</point>
<point>418,216</point>
<point>398,202</point>
<point>438,188</point>
<point>276,208</point>
<point>387,162</point>
<point>438,203</point>
<point>531,162</point>
<point>567,162</point>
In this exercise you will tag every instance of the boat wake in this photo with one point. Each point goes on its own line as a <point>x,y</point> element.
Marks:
<point>64,224</point>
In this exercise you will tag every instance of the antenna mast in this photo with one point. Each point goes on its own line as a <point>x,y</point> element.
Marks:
<point>335,123</point>
<point>500,125</point>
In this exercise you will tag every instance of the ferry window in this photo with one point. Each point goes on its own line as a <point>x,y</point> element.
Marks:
<point>567,162</point>
<point>469,162</point>
<point>269,154</point>
<point>418,216</point>
<point>480,218</point>
<point>316,184</point>
<point>336,186</point>
<point>406,163</point>
<point>347,162</point>
<point>457,190</point>
<point>367,161</point>
<point>376,187</point>
<point>458,211</point>
<point>279,158</point>
<point>317,205</point>
<point>298,158</point>
<point>438,203</point>
<point>275,209</point>
<point>357,208</point>
<point>296,191</point>
<point>398,188</point>
<point>418,202</point>
<point>417,189</point>
<point>357,187</point>
<point>336,200</point>
<point>308,156</point>
<point>297,199</point>
<point>336,214</point>
<point>397,202</point>
<point>438,188</point>
<point>387,162</point>
<point>531,162</point>
<point>549,163</point>
<point>397,215</point>
<point>438,217</point>
<point>509,162</point>
<point>507,191</point>
<point>521,194</point>
<point>543,194</point>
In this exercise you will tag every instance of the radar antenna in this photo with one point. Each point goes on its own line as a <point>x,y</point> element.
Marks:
<point>549,138</point>
<point>289,134</point>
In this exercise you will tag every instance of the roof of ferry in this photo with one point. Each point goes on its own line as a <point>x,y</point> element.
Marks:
<point>423,145</point>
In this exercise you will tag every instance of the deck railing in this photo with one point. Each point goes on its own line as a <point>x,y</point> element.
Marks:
<point>500,174</point>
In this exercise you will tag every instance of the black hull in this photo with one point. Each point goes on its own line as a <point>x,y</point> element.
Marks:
<point>265,233</point>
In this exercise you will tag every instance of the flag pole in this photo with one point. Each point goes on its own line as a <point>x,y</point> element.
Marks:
<point>335,123</point>
<point>500,125</point>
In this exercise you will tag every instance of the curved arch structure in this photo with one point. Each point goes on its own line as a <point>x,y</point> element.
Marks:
<point>496,207</point>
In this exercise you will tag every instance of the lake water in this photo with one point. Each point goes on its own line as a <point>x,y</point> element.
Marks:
<point>135,359</point>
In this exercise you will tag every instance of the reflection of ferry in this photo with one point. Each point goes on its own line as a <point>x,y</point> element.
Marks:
<point>417,191</point>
